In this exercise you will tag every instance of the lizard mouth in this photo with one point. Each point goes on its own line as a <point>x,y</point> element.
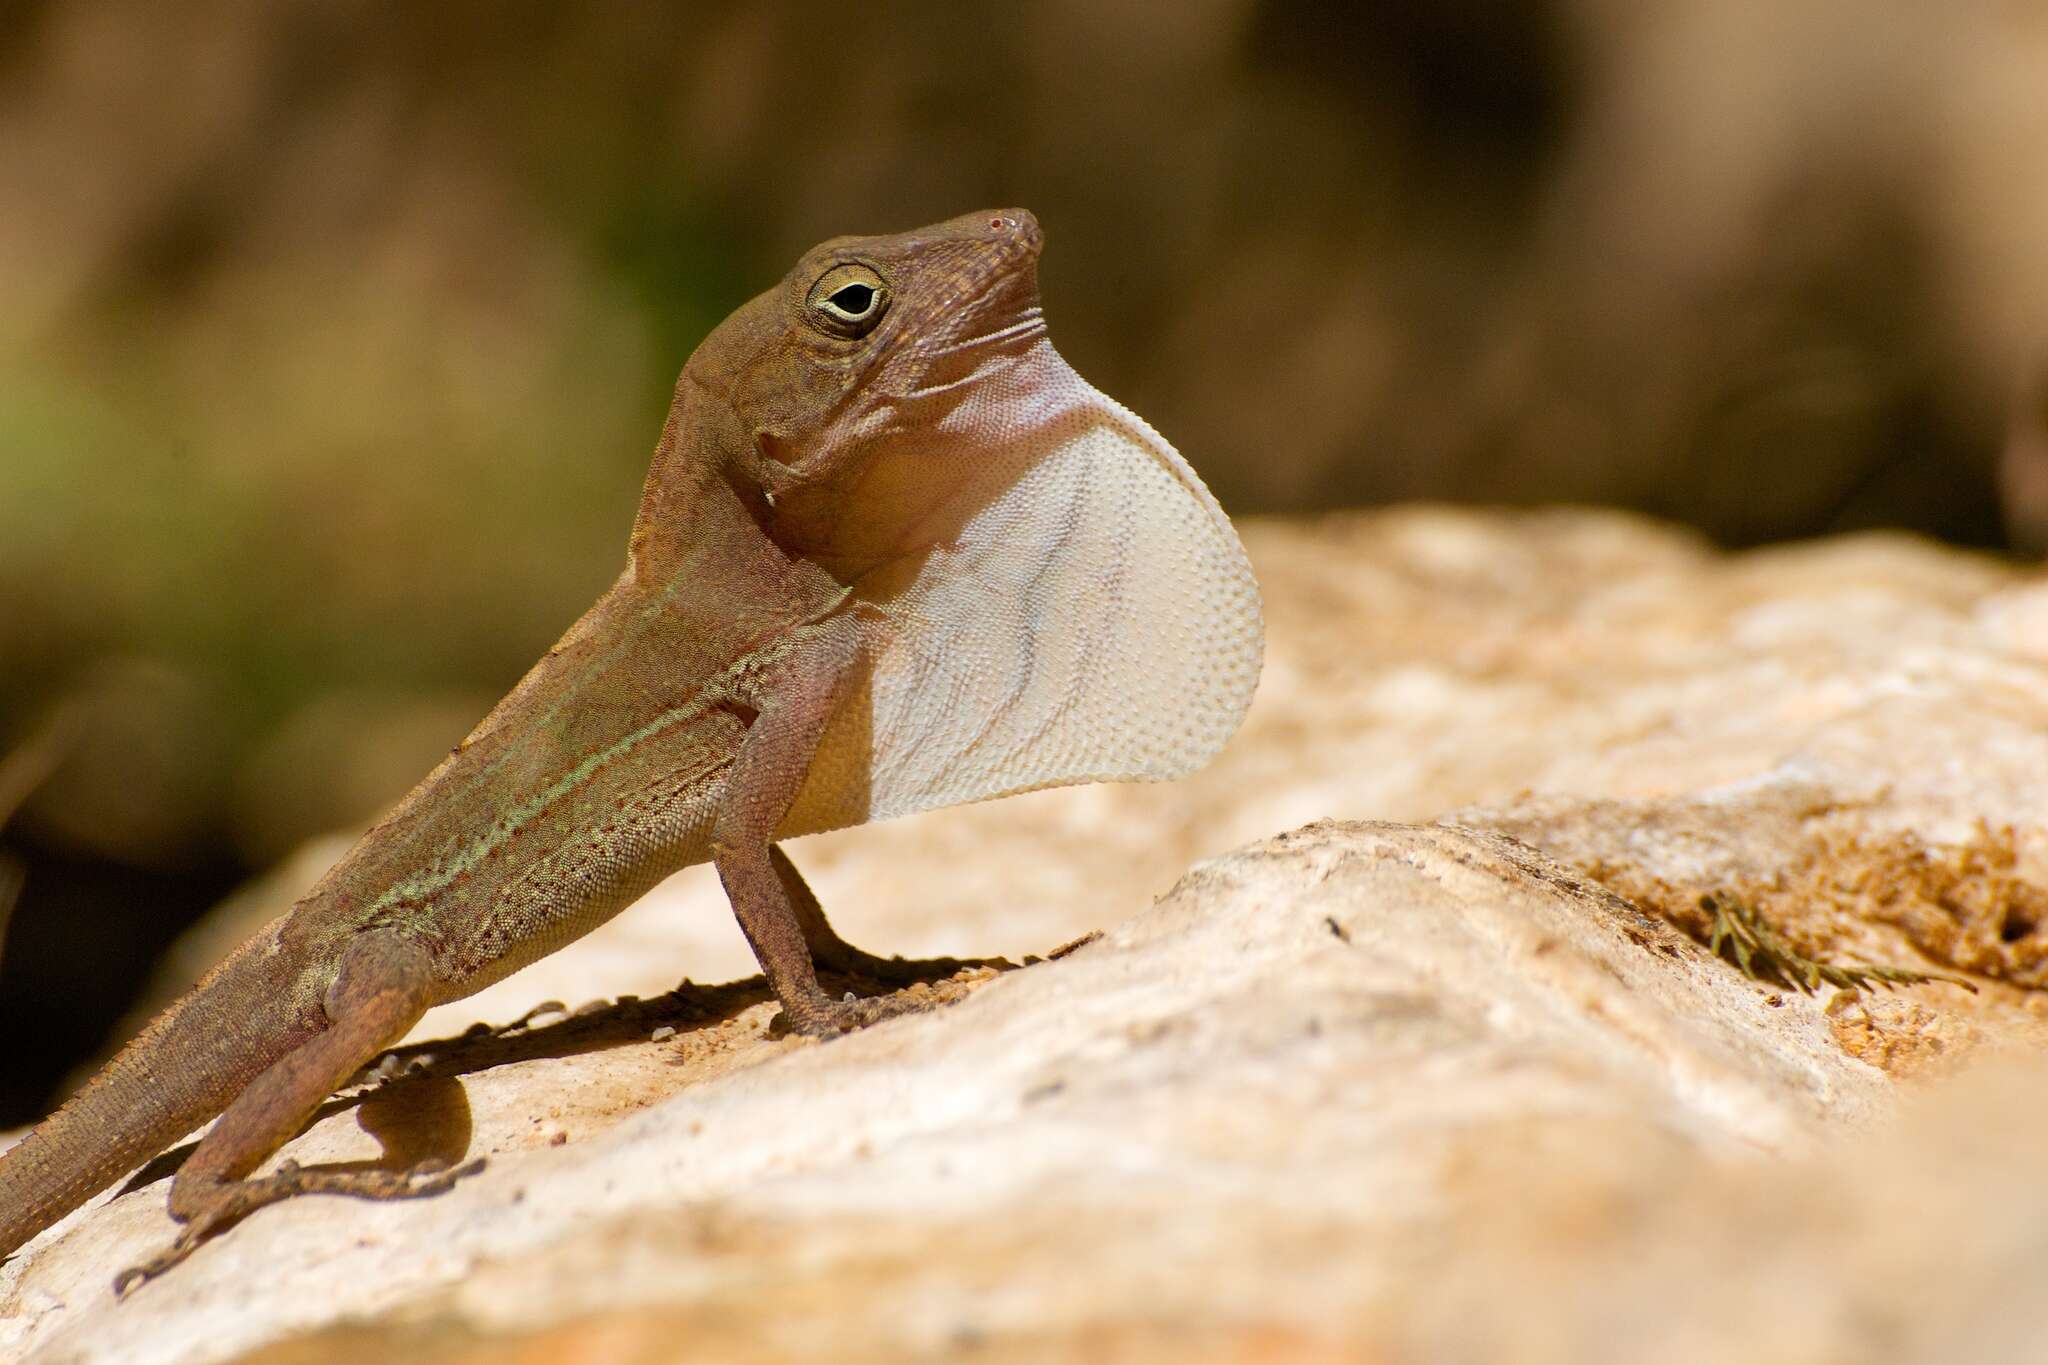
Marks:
<point>991,314</point>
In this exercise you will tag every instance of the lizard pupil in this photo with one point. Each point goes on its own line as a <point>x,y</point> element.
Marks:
<point>854,300</point>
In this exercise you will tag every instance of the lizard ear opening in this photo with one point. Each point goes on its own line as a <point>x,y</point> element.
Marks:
<point>1070,605</point>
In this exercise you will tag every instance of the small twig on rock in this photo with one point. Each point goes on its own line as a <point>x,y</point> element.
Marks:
<point>1742,936</point>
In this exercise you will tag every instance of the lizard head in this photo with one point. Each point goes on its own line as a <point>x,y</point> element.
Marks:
<point>891,318</point>
<point>870,336</point>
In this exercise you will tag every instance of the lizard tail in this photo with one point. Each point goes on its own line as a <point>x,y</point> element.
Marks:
<point>183,1069</point>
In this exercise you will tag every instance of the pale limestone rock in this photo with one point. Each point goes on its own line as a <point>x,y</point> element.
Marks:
<point>1511,1118</point>
<point>1245,1094</point>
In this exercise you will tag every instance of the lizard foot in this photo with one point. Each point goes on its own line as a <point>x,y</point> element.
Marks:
<point>177,1251</point>
<point>821,1017</point>
<point>233,1201</point>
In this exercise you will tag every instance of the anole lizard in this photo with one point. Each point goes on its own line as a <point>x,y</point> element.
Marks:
<point>892,554</point>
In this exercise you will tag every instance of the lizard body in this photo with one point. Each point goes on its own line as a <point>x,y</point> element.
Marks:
<point>891,554</point>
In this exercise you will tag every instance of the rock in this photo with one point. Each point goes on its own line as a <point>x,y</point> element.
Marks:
<point>1365,1090</point>
<point>1259,1082</point>
<point>1843,880</point>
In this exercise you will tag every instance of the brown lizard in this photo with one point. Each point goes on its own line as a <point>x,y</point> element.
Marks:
<point>892,554</point>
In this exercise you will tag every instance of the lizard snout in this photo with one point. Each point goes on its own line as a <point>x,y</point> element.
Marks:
<point>1019,224</point>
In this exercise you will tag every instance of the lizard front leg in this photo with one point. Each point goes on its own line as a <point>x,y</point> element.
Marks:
<point>834,954</point>
<point>384,985</point>
<point>793,700</point>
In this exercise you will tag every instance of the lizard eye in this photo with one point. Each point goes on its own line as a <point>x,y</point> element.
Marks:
<point>852,300</point>
<point>848,300</point>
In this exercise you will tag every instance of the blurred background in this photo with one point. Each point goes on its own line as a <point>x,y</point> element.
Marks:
<point>334,339</point>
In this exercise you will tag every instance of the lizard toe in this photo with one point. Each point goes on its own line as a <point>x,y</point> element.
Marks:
<point>822,1018</point>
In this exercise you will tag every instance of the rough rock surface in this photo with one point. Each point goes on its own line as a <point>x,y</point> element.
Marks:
<point>1357,1091</point>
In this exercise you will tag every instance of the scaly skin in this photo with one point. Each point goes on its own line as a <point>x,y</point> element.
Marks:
<point>680,720</point>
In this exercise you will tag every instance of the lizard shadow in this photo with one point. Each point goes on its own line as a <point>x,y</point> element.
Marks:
<point>419,1109</point>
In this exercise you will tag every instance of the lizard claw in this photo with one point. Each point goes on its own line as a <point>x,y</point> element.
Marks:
<point>824,1018</point>
<point>176,1252</point>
